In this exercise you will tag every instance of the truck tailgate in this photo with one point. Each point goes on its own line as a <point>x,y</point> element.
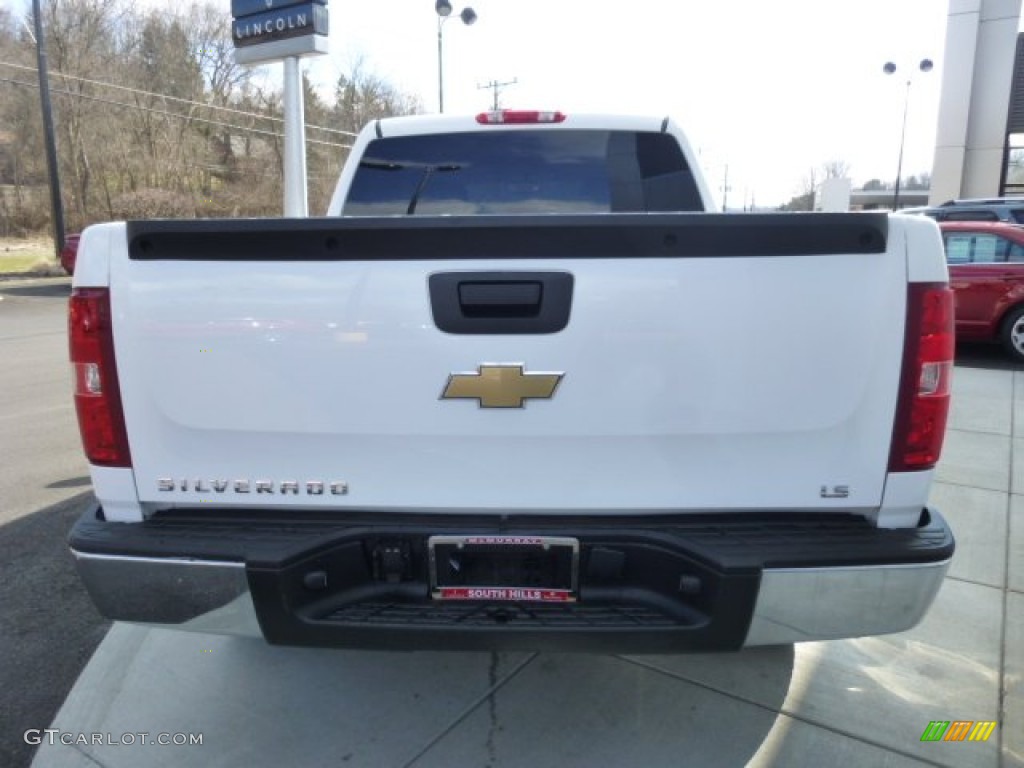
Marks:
<point>708,363</point>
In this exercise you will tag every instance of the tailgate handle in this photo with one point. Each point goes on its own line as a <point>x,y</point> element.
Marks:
<point>501,302</point>
<point>512,298</point>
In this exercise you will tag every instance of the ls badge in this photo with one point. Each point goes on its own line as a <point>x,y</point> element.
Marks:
<point>504,385</point>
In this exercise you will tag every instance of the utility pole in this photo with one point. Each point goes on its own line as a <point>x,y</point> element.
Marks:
<point>725,189</point>
<point>496,87</point>
<point>56,204</point>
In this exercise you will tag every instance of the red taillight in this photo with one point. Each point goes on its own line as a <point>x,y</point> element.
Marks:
<point>926,380</point>
<point>518,117</point>
<point>94,373</point>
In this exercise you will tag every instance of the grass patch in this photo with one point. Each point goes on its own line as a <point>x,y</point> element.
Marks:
<point>17,256</point>
<point>20,263</point>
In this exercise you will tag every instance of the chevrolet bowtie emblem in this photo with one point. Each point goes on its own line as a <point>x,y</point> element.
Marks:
<point>501,386</point>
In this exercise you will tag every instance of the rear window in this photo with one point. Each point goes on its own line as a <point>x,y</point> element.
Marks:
<point>528,171</point>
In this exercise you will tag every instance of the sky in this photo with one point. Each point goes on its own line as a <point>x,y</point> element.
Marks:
<point>769,89</point>
<point>766,91</point>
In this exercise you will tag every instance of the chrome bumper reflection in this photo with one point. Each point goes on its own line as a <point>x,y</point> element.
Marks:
<point>795,605</point>
<point>198,595</point>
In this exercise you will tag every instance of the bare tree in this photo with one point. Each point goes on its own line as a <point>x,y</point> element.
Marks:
<point>835,169</point>
<point>154,118</point>
<point>808,189</point>
<point>22,158</point>
<point>81,35</point>
<point>362,96</point>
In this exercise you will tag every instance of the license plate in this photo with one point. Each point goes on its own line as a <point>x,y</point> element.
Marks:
<point>542,569</point>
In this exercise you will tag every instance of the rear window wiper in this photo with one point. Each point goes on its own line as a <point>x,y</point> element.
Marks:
<point>382,165</point>
<point>426,171</point>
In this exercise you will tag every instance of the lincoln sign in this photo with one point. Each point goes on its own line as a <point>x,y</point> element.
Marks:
<point>304,19</point>
<point>272,29</point>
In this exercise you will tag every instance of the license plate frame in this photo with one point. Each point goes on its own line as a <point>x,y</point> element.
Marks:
<point>537,569</point>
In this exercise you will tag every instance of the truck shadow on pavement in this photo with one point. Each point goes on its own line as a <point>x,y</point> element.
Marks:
<point>50,626</point>
<point>72,482</point>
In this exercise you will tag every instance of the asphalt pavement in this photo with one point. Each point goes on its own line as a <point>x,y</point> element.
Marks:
<point>50,627</point>
<point>42,456</point>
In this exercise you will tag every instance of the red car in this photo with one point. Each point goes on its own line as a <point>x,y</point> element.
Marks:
<point>986,271</point>
<point>69,253</point>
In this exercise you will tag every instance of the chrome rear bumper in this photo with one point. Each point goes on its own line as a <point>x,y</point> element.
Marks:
<point>235,594</point>
<point>792,606</point>
<point>830,603</point>
<point>196,595</point>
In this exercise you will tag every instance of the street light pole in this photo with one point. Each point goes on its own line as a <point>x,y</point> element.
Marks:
<point>444,11</point>
<point>889,68</point>
<point>899,161</point>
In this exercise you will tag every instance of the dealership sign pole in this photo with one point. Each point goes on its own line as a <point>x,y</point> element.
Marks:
<point>273,30</point>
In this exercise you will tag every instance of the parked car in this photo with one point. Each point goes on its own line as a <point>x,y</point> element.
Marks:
<point>986,271</point>
<point>69,253</point>
<point>1009,209</point>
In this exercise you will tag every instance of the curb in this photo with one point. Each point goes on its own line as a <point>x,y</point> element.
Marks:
<point>18,280</point>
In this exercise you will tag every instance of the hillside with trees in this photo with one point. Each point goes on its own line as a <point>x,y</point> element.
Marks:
<point>153,118</point>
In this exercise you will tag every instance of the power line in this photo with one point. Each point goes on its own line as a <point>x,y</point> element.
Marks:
<point>247,171</point>
<point>260,131</point>
<point>176,98</point>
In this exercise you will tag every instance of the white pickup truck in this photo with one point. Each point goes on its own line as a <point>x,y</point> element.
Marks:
<point>517,390</point>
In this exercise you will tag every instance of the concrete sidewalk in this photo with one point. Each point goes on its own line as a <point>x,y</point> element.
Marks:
<point>856,702</point>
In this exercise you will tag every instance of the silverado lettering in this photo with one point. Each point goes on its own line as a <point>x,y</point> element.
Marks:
<point>310,487</point>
